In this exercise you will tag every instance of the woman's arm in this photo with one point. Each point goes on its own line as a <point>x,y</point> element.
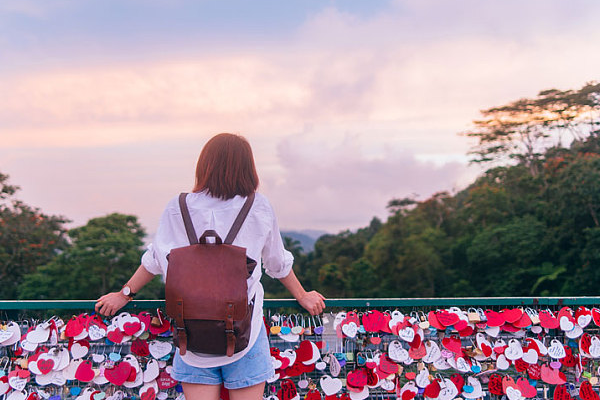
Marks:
<point>312,301</point>
<point>110,303</point>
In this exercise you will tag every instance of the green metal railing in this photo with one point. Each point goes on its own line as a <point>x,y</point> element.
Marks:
<point>333,303</point>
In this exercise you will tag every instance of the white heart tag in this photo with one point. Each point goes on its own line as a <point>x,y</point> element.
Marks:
<point>407,334</point>
<point>514,351</point>
<point>330,385</point>
<point>502,363</point>
<point>350,329</point>
<point>79,350</point>
<point>17,383</point>
<point>556,350</point>
<point>433,352</point>
<point>531,356</point>
<point>422,379</point>
<point>151,372</point>
<point>17,395</point>
<point>159,349</point>
<point>513,394</point>
<point>396,352</point>
<point>96,333</point>
<point>38,335</point>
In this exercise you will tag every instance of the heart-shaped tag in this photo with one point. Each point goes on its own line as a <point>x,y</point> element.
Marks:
<point>422,378</point>
<point>151,372</point>
<point>433,352</point>
<point>159,349</point>
<point>514,351</point>
<point>396,352</point>
<point>84,372</point>
<point>329,385</point>
<point>556,350</point>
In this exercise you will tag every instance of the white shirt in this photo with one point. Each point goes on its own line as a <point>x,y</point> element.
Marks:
<point>259,235</point>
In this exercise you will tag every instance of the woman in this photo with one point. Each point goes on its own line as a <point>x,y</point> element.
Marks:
<point>225,176</point>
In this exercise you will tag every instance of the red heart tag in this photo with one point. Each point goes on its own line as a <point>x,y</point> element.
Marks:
<point>373,321</point>
<point>410,375</point>
<point>534,371</point>
<point>495,385</point>
<point>387,366</point>
<point>447,318</point>
<point>129,328</point>
<point>511,315</point>
<point>304,352</point>
<point>74,327</point>
<point>417,353</point>
<point>494,318</point>
<point>45,365</point>
<point>468,331</point>
<point>569,360</point>
<point>140,348</point>
<point>313,394</point>
<point>461,324</point>
<point>525,388</point>
<point>115,335</point>
<point>585,341</point>
<point>357,378</point>
<point>408,395</point>
<point>149,394</point>
<point>548,320</point>
<point>433,321</point>
<point>524,321</point>
<point>119,374</point>
<point>560,393</point>
<point>586,392</point>
<point>386,323</point>
<point>432,390</point>
<point>375,340</point>
<point>453,344</point>
<point>84,372</point>
<point>132,375</point>
<point>520,365</point>
<point>458,381</point>
<point>288,390</point>
<point>164,380</point>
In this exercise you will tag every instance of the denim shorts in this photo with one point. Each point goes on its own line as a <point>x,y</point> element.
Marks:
<point>253,368</point>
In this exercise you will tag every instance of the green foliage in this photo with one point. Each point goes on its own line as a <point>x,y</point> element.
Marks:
<point>28,238</point>
<point>104,254</point>
<point>527,227</point>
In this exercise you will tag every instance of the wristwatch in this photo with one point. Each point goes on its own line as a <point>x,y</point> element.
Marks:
<point>126,291</point>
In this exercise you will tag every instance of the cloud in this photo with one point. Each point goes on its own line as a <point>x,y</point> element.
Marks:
<point>336,185</point>
<point>344,113</point>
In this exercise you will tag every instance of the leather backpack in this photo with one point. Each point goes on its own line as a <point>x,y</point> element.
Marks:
<point>206,289</point>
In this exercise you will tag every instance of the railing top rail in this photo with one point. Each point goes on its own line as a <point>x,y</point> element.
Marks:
<point>342,303</point>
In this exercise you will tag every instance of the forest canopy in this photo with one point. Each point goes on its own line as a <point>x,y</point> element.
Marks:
<point>528,226</point>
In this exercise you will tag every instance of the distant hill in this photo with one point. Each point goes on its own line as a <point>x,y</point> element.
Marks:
<point>306,237</point>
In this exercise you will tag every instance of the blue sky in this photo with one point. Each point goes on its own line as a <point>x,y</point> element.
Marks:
<point>105,105</point>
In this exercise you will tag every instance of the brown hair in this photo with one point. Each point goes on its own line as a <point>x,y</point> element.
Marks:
<point>226,167</point>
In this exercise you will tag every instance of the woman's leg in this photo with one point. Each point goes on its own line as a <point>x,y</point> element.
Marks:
<point>194,391</point>
<point>248,393</point>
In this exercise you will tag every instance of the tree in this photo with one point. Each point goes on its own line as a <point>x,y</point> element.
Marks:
<point>104,254</point>
<point>523,129</point>
<point>28,239</point>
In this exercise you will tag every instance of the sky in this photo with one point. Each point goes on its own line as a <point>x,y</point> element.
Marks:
<point>106,104</point>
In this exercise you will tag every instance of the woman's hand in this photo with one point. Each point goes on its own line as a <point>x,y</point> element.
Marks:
<point>110,303</point>
<point>313,302</point>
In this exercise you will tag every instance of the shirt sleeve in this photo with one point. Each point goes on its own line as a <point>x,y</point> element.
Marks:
<point>150,262</point>
<point>277,261</point>
<point>155,257</point>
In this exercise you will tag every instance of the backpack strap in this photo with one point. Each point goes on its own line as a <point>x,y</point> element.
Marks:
<point>187,220</point>
<point>235,228</point>
<point>237,224</point>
